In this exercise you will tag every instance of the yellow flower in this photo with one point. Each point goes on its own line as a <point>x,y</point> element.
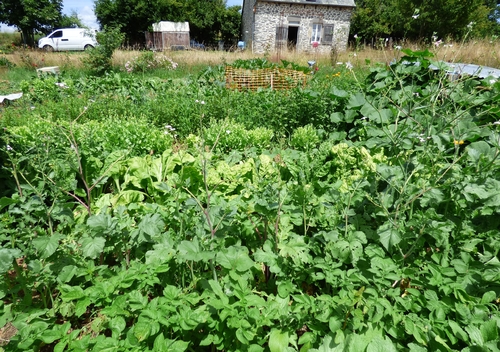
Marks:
<point>460,142</point>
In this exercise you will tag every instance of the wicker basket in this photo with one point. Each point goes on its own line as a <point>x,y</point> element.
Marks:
<point>273,78</point>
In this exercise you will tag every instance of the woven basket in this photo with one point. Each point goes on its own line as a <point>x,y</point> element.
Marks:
<point>273,78</point>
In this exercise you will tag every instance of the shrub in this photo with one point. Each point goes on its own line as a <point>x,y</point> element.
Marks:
<point>148,61</point>
<point>98,59</point>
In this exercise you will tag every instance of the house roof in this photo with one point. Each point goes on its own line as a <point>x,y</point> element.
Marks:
<point>344,3</point>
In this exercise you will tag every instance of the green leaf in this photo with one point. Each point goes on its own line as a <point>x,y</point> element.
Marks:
<point>92,247</point>
<point>218,291</point>
<point>7,256</point>
<point>142,329</point>
<point>381,345</point>
<point>488,297</point>
<point>489,330</point>
<point>389,236</point>
<point>117,325</point>
<point>4,201</point>
<point>70,293</point>
<point>356,100</point>
<point>152,224</point>
<point>475,335</point>
<point>458,331</point>
<point>235,257</point>
<point>278,340</point>
<point>477,149</point>
<point>100,223</point>
<point>47,245</point>
<point>190,250</point>
<point>334,324</point>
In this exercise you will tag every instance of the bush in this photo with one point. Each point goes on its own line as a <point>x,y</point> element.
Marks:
<point>148,61</point>
<point>98,59</point>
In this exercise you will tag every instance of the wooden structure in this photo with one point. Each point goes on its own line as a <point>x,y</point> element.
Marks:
<point>168,35</point>
<point>273,78</point>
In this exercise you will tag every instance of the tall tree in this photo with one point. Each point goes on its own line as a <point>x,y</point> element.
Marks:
<point>423,19</point>
<point>30,16</point>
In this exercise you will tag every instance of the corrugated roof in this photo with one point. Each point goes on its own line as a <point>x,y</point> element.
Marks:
<point>346,3</point>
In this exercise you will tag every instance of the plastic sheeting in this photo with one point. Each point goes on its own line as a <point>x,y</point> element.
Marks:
<point>12,96</point>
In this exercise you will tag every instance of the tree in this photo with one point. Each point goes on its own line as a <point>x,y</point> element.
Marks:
<point>424,19</point>
<point>30,16</point>
<point>209,20</point>
<point>71,21</point>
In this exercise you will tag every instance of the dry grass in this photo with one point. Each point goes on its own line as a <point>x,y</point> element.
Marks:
<point>482,52</point>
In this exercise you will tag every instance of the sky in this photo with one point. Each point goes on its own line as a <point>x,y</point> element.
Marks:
<point>85,11</point>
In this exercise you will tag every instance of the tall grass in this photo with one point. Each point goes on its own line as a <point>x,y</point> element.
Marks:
<point>484,52</point>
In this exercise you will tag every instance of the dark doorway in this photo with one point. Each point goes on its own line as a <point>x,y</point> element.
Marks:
<point>293,33</point>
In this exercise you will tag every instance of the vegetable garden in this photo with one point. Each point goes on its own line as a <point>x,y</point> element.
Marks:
<point>360,212</point>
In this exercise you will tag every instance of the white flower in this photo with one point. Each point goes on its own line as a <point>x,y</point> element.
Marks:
<point>227,131</point>
<point>415,16</point>
<point>202,102</point>
<point>355,36</point>
<point>32,108</point>
<point>470,25</point>
<point>398,47</point>
<point>364,118</point>
<point>438,43</point>
<point>348,65</point>
<point>9,147</point>
<point>495,123</point>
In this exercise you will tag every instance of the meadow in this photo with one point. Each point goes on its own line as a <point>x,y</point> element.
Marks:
<point>154,209</point>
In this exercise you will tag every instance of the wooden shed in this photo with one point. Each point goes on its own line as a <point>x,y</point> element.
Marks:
<point>168,35</point>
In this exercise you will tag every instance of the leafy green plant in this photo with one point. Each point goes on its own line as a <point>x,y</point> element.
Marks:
<point>98,59</point>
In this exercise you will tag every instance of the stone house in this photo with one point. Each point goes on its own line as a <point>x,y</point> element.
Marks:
<point>301,25</point>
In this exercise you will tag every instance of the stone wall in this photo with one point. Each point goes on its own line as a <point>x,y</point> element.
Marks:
<point>268,16</point>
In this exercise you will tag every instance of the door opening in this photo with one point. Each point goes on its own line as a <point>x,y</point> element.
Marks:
<point>293,33</point>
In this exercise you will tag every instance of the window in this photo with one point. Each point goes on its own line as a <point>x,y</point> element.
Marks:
<point>57,34</point>
<point>328,34</point>
<point>316,33</point>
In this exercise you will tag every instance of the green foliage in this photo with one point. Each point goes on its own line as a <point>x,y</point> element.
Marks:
<point>30,16</point>
<point>417,20</point>
<point>98,59</point>
<point>4,62</point>
<point>373,225</point>
<point>209,21</point>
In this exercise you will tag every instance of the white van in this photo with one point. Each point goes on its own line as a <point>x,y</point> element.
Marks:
<point>68,39</point>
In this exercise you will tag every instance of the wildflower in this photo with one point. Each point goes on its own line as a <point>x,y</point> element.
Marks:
<point>228,132</point>
<point>398,47</point>
<point>355,36</point>
<point>470,25</point>
<point>348,65</point>
<point>438,43</point>
<point>9,147</point>
<point>496,123</point>
<point>415,16</point>
<point>460,142</point>
<point>62,85</point>
<point>32,108</point>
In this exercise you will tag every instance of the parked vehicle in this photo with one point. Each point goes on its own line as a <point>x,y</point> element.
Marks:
<point>68,39</point>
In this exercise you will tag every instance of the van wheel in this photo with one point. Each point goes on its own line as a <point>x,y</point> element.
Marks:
<point>88,47</point>
<point>48,48</point>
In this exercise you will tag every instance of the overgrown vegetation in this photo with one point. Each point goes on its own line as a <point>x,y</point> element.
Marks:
<point>359,213</point>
